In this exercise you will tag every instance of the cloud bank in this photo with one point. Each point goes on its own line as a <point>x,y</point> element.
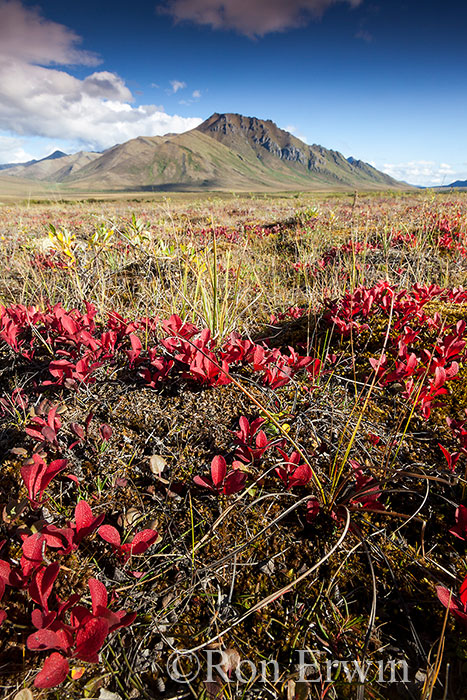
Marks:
<point>37,98</point>
<point>255,18</point>
<point>425,172</point>
<point>12,150</point>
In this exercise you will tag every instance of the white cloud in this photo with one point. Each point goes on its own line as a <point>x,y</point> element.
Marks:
<point>177,85</point>
<point>105,85</point>
<point>25,35</point>
<point>12,150</point>
<point>39,100</point>
<point>251,18</point>
<point>195,97</point>
<point>425,172</point>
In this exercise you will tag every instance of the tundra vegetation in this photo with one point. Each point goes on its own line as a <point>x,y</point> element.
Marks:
<point>235,424</point>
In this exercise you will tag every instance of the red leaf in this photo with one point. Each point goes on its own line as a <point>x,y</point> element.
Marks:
<point>106,431</point>
<point>88,420</point>
<point>90,638</point>
<point>136,348</point>
<point>54,672</point>
<point>451,458</point>
<point>31,475</point>
<point>244,432</point>
<point>312,509</point>
<point>301,475</point>
<point>85,521</point>
<point>440,377</point>
<point>463,593</point>
<point>141,542</point>
<point>446,598</point>
<point>41,620</point>
<point>5,572</point>
<point>218,470</point>
<point>37,476</point>
<point>234,482</point>
<point>52,470</point>
<point>44,639</point>
<point>124,620</point>
<point>110,535</point>
<point>79,615</point>
<point>78,430</point>
<point>34,433</point>
<point>32,553</point>
<point>98,594</point>
<point>83,515</point>
<point>261,440</point>
<point>59,538</point>
<point>49,434</point>
<point>69,325</point>
<point>42,584</point>
<point>460,528</point>
<point>203,482</point>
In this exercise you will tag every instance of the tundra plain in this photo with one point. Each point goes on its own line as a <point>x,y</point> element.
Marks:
<point>234,423</point>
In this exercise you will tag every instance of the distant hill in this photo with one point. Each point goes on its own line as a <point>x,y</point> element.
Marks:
<point>56,169</point>
<point>226,152</point>
<point>457,183</point>
<point>53,156</point>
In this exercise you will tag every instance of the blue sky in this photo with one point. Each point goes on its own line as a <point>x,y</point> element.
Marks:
<point>381,80</point>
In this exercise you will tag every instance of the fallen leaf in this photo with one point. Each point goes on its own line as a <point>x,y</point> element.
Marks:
<point>77,672</point>
<point>157,464</point>
<point>131,517</point>
<point>24,694</point>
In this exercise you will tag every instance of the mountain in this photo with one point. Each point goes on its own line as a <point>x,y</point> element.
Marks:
<point>252,137</point>
<point>226,152</point>
<point>53,156</point>
<point>457,183</point>
<point>55,168</point>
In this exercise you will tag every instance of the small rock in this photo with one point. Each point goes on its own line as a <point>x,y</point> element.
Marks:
<point>107,695</point>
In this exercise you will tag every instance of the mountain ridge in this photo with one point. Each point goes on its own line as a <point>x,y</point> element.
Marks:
<point>227,151</point>
<point>457,183</point>
<point>52,156</point>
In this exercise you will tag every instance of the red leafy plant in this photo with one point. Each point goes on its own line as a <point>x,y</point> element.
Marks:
<point>44,430</point>
<point>252,443</point>
<point>450,457</point>
<point>222,481</point>
<point>67,627</point>
<point>73,630</point>
<point>9,405</point>
<point>105,431</point>
<point>3,614</point>
<point>292,472</point>
<point>312,510</point>
<point>368,490</point>
<point>37,475</point>
<point>138,545</point>
<point>460,528</point>
<point>67,539</point>
<point>455,604</point>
